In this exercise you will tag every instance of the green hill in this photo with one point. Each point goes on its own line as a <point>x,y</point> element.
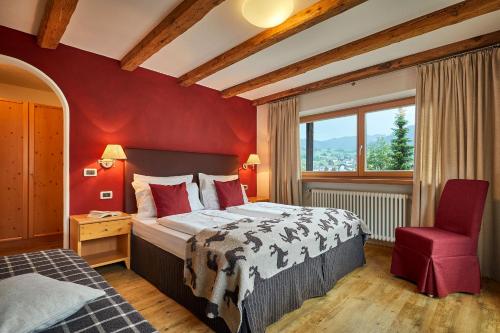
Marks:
<point>348,143</point>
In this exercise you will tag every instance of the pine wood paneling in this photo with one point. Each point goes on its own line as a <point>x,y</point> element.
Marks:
<point>46,170</point>
<point>13,170</point>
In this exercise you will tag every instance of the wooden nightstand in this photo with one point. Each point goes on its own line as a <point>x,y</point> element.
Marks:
<point>101,241</point>
<point>258,199</point>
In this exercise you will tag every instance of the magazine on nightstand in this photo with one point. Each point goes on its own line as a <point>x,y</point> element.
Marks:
<point>103,213</point>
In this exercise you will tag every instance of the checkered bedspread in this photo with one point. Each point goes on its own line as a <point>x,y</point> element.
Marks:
<point>110,313</point>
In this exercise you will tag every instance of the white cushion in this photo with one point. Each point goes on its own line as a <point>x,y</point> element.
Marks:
<point>33,302</point>
<point>171,180</point>
<point>194,197</point>
<point>208,192</point>
<point>144,198</point>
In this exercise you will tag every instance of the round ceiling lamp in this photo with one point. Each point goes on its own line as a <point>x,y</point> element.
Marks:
<point>267,13</point>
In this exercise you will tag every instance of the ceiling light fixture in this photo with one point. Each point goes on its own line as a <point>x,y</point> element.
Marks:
<point>267,13</point>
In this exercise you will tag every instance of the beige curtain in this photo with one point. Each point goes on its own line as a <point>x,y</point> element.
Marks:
<point>458,136</point>
<point>285,154</point>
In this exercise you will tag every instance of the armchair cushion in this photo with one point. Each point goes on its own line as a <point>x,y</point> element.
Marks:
<point>435,242</point>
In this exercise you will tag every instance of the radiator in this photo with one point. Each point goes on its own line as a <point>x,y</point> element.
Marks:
<point>382,212</point>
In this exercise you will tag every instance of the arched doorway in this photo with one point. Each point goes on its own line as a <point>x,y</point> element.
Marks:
<point>65,108</point>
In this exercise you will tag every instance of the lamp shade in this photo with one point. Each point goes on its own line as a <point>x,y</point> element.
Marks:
<point>267,13</point>
<point>114,152</point>
<point>253,159</point>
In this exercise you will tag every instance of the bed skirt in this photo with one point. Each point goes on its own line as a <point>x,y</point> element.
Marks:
<point>271,299</point>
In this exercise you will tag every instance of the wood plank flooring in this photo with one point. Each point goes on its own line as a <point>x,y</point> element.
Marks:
<point>367,300</point>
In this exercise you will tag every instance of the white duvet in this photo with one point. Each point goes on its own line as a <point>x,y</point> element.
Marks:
<point>193,222</point>
<point>262,209</point>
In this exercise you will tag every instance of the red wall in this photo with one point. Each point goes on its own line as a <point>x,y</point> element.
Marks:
<point>141,109</point>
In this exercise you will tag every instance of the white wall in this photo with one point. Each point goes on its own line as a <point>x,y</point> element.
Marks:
<point>381,88</point>
<point>376,89</point>
<point>18,93</point>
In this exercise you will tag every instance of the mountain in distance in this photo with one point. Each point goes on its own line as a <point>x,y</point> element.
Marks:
<point>348,143</point>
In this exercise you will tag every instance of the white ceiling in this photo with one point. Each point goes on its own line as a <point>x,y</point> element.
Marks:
<point>113,27</point>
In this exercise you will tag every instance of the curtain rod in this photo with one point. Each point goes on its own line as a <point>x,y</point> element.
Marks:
<point>460,54</point>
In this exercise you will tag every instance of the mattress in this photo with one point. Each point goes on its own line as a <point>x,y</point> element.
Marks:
<point>167,239</point>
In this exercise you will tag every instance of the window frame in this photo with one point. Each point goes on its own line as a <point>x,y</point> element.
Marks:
<point>360,112</point>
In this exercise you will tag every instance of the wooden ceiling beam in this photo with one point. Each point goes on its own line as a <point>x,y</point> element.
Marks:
<point>54,22</point>
<point>183,17</point>
<point>387,67</point>
<point>306,18</point>
<point>445,17</point>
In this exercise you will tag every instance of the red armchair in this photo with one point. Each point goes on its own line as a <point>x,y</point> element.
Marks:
<point>443,259</point>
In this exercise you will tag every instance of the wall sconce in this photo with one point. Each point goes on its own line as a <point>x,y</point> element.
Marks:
<point>253,160</point>
<point>110,155</point>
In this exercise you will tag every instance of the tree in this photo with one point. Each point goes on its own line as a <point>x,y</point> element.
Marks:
<point>401,155</point>
<point>378,157</point>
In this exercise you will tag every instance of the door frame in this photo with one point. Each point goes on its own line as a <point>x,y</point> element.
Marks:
<point>65,107</point>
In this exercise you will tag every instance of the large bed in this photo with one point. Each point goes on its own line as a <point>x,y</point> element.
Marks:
<point>158,253</point>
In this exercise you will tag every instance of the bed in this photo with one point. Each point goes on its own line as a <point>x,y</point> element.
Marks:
<point>157,254</point>
<point>110,313</point>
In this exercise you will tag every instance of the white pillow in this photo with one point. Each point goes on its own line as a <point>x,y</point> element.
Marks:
<point>194,197</point>
<point>144,199</point>
<point>33,302</point>
<point>171,180</point>
<point>145,202</point>
<point>208,192</point>
<point>245,198</point>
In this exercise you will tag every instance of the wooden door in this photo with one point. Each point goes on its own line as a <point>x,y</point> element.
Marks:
<point>13,170</point>
<point>45,171</point>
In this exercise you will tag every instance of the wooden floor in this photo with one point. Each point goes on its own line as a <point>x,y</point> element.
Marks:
<point>367,300</point>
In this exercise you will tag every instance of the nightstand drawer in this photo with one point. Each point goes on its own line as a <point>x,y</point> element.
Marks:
<point>104,229</point>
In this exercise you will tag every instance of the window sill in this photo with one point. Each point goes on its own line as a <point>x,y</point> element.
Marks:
<point>359,180</point>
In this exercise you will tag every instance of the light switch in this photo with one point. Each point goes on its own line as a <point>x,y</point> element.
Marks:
<point>89,172</point>
<point>106,195</point>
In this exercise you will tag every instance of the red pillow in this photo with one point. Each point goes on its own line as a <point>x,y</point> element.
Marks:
<point>229,193</point>
<point>170,199</point>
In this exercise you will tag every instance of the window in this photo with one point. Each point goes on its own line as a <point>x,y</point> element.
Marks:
<point>371,141</point>
<point>303,146</point>
<point>389,139</point>
<point>334,144</point>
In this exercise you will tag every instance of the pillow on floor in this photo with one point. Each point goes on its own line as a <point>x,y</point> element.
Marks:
<point>33,302</point>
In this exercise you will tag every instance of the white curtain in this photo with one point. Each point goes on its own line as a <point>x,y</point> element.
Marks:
<point>458,136</point>
<point>285,152</point>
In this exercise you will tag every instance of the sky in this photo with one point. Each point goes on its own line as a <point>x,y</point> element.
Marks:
<point>380,122</point>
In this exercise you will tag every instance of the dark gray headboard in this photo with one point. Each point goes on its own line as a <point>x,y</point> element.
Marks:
<point>163,163</point>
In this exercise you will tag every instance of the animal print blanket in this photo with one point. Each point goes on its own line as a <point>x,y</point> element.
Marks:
<point>222,262</point>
